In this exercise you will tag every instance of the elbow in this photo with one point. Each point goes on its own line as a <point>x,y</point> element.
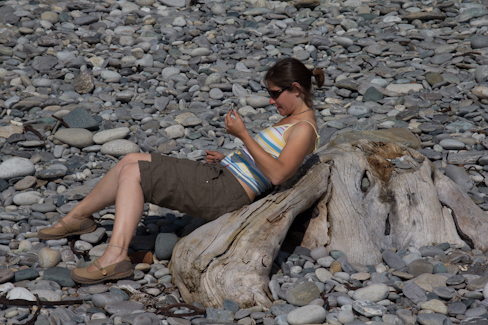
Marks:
<point>278,180</point>
<point>280,176</point>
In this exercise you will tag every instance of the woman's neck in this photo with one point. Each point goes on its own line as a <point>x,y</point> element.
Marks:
<point>300,111</point>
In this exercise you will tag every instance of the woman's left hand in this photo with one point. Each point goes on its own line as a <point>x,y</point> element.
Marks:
<point>214,156</point>
<point>235,126</point>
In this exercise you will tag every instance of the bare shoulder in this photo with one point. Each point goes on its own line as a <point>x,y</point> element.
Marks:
<point>304,129</point>
<point>304,124</point>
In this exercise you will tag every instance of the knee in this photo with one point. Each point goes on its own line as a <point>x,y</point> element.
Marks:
<point>130,158</point>
<point>130,171</point>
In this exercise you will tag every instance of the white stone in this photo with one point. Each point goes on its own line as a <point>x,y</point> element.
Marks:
<point>129,7</point>
<point>216,93</point>
<point>311,314</point>
<point>257,101</point>
<point>20,293</point>
<point>49,257</point>
<point>146,61</point>
<point>403,89</point>
<point>128,30</point>
<point>188,119</point>
<point>8,104</point>
<point>435,305</point>
<point>374,293</point>
<point>16,167</point>
<point>481,92</point>
<point>126,40</point>
<point>295,32</point>
<point>47,295</point>
<point>75,137</point>
<point>247,111</point>
<point>392,19</point>
<point>6,287</point>
<point>323,274</point>
<point>111,134</point>
<point>361,276</point>
<point>144,2</point>
<point>161,272</point>
<point>175,131</point>
<point>218,9</point>
<point>96,61</point>
<point>239,91</point>
<point>98,250</point>
<point>179,21</point>
<point>169,72</point>
<point>386,125</point>
<point>345,316</point>
<point>353,3</point>
<point>325,261</point>
<point>119,147</point>
<point>42,82</point>
<point>109,74</point>
<point>174,3</point>
<point>380,82</point>
<point>25,245</point>
<point>342,275</point>
<point>81,245</point>
<point>27,198</point>
<point>201,51</point>
<point>65,55</point>
<point>380,268</point>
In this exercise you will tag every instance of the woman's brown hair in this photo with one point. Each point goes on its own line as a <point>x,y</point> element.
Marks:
<point>287,71</point>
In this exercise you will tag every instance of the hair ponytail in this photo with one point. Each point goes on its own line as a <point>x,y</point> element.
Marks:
<point>319,77</point>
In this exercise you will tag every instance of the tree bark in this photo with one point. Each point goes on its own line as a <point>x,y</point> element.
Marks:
<point>368,197</point>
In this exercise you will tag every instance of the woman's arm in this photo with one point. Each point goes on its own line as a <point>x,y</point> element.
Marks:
<point>300,139</point>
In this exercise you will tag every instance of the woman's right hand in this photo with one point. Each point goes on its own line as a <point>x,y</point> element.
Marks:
<point>214,156</point>
<point>235,126</point>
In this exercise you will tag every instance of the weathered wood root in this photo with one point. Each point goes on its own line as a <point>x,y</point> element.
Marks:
<point>400,207</point>
<point>369,196</point>
<point>231,257</point>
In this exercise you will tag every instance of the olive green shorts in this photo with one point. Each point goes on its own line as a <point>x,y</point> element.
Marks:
<point>197,189</point>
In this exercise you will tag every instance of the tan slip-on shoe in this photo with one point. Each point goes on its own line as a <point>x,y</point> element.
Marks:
<point>79,228</point>
<point>120,270</point>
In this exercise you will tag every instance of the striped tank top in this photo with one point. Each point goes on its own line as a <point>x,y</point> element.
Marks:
<point>242,164</point>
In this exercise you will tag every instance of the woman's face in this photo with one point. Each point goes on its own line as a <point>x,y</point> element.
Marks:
<point>283,98</point>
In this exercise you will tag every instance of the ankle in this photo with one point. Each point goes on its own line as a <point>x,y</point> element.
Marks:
<point>76,217</point>
<point>111,259</point>
<point>119,247</point>
<point>115,252</point>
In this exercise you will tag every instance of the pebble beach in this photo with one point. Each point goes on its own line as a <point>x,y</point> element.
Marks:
<point>83,83</point>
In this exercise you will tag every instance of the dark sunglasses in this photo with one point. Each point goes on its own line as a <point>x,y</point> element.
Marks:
<point>276,93</point>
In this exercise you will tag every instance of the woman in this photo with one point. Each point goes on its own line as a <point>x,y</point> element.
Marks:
<point>201,190</point>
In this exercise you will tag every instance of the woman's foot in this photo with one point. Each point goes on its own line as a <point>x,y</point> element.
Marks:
<point>66,227</point>
<point>112,265</point>
<point>113,254</point>
<point>71,219</point>
<point>97,273</point>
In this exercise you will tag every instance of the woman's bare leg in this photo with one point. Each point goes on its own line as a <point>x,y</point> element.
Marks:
<point>104,193</point>
<point>129,206</point>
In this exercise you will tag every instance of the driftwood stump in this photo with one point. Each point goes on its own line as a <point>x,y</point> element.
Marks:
<point>368,196</point>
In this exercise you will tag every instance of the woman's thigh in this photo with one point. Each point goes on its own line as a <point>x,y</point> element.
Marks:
<point>201,190</point>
